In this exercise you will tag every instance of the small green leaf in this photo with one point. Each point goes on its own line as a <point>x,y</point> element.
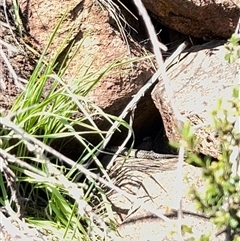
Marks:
<point>186,229</point>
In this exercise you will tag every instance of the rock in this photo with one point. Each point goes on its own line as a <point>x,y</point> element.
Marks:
<point>197,18</point>
<point>201,77</point>
<point>100,45</point>
<point>129,175</point>
<point>155,183</point>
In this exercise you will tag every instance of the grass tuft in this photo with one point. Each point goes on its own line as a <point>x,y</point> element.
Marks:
<point>43,191</point>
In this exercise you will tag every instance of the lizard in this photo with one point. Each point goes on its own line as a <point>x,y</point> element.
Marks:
<point>137,153</point>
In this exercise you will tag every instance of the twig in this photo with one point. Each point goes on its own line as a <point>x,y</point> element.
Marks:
<point>2,83</point>
<point>132,104</point>
<point>179,192</point>
<point>11,70</point>
<point>11,182</point>
<point>8,46</point>
<point>237,30</point>
<point>12,159</point>
<point>121,147</point>
<point>156,49</point>
<point>179,118</point>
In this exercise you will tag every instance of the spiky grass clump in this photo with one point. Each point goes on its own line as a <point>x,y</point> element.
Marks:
<point>43,190</point>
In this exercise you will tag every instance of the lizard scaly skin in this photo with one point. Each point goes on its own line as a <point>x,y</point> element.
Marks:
<point>136,153</point>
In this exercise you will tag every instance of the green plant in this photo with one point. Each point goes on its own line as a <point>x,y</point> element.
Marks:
<point>233,48</point>
<point>221,199</point>
<point>45,110</point>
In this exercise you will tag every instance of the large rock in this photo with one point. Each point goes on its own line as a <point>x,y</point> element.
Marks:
<point>197,18</point>
<point>201,77</point>
<point>154,183</point>
<point>101,45</point>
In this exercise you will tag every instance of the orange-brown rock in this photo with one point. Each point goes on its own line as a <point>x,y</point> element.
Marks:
<point>100,44</point>
<point>196,17</point>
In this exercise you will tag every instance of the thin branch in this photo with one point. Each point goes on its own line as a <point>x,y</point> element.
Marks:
<point>11,182</point>
<point>120,149</point>
<point>178,117</point>
<point>11,70</point>
<point>12,159</point>
<point>237,30</point>
<point>179,191</point>
<point>156,49</point>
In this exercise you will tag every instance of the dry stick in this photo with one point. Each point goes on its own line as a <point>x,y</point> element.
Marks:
<point>11,182</point>
<point>156,49</point>
<point>179,189</point>
<point>13,73</point>
<point>8,46</point>
<point>35,142</point>
<point>2,83</point>
<point>110,164</point>
<point>237,30</point>
<point>132,104</point>
<point>12,159</point>
<point>179,118</point>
